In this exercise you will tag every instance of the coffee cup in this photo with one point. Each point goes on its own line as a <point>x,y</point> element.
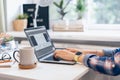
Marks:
<point>26,57</point>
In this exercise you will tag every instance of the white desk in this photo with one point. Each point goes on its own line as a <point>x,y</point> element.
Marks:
<point>44,71</point>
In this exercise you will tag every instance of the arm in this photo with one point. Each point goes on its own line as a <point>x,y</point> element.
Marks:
<point>104,52</point>
<point>108,64</point>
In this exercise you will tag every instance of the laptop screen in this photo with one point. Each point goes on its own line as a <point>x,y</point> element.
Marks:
<point>40,40</point>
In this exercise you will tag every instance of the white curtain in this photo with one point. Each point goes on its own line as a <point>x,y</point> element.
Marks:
<point>2,17</point>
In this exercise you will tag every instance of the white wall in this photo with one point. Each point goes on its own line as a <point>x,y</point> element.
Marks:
<point>13,8</point>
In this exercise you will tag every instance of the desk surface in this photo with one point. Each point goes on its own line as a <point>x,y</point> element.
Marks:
<point>44,71</point>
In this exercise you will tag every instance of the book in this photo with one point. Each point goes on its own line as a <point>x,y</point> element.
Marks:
<point>29,9</point>
<point>43,17</point>
<point>6,64</point>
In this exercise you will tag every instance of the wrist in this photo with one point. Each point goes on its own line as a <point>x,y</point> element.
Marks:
<point>81,58</point>
<point>76,56</point>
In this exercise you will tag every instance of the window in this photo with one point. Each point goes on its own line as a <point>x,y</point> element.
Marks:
<point>70,9</point>
<point>105,12</point>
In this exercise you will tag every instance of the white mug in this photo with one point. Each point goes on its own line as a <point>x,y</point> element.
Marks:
<point>26,56</point>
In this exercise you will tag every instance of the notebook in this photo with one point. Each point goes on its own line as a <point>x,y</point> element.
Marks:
<point>43,45</point>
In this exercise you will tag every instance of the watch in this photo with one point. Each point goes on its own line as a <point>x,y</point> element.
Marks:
<point>76,57</point>
<point>78,53</point>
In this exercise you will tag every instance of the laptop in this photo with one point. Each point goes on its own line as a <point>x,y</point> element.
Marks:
<point>43,45</point>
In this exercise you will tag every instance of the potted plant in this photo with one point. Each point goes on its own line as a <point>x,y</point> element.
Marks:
<point>20,23</point>
<point>80,8</point>
<point>61,8</point>
<point>7,41</point>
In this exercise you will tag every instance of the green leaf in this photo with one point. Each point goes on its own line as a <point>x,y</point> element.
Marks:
<point>22,16</point>
<point>80,5</point>
<point>56,4</point>
<point>61,4</point>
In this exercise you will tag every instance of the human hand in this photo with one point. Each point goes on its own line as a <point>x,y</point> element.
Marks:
<point>84,51</point>
<point>74,50</point>
<point>64,54</point>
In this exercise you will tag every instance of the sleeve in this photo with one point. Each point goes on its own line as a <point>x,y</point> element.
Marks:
<point>108,64</point>
<point>110,52</point>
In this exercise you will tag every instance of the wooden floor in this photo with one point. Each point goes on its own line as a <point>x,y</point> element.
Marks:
<point>92,75</point>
